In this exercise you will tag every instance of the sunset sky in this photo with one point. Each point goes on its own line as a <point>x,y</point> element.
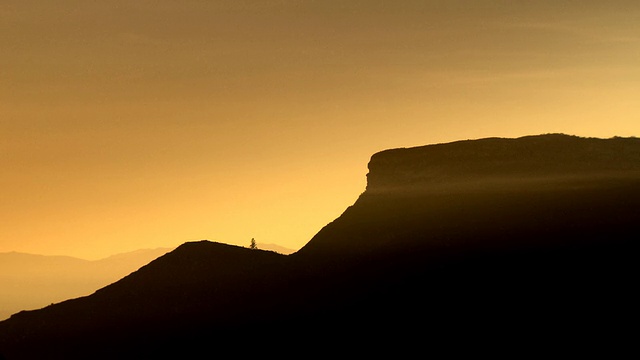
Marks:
<point>140,124</point>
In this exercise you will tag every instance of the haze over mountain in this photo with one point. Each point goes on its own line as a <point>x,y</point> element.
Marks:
<point>29,281</point>
<point>491,240</point>
<point>275,247</point>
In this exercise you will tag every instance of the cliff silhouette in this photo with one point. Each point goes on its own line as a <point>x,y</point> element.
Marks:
<point>480,239</point>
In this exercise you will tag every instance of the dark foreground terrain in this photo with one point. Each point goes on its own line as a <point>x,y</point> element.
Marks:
<point>488,241</point>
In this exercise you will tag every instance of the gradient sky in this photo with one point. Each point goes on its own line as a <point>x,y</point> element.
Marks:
<point>134,124</point>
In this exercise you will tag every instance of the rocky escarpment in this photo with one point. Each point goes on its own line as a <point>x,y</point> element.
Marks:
<point>520,233</point>
<point>527,158</point>
<point>487,192</point>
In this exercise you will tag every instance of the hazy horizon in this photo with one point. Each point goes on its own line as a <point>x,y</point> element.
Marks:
<point>260,246</point>
<point>127,125</point>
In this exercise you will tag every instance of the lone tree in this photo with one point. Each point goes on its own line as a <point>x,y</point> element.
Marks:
<point>253,244</point>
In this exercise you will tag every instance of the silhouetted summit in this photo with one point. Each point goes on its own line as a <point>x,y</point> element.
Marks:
<point>522,236</point>
<point>529,157</point>
<point>436,195</point>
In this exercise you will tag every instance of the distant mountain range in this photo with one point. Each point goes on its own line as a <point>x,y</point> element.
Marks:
<point>489,241</point>
<point>30,281</point>
<point>275,247</point>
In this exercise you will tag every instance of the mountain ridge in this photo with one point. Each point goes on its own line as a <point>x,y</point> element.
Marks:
<point>482,159</point>
<point>397,264</point>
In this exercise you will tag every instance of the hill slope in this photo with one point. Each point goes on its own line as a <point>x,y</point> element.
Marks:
<point>527,235</point>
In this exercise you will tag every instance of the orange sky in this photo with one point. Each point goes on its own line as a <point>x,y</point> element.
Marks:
<point>134,124</point>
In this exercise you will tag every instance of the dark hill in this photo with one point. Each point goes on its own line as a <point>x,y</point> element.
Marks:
<point>489,240</point>
<point>198,285</point>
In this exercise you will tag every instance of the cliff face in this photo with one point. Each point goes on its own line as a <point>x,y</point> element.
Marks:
<point>542,157</point>
<point>489,193</point>
<point>519,233</point>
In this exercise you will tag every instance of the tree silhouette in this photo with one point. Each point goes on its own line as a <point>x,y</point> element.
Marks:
<point>253,244</point>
